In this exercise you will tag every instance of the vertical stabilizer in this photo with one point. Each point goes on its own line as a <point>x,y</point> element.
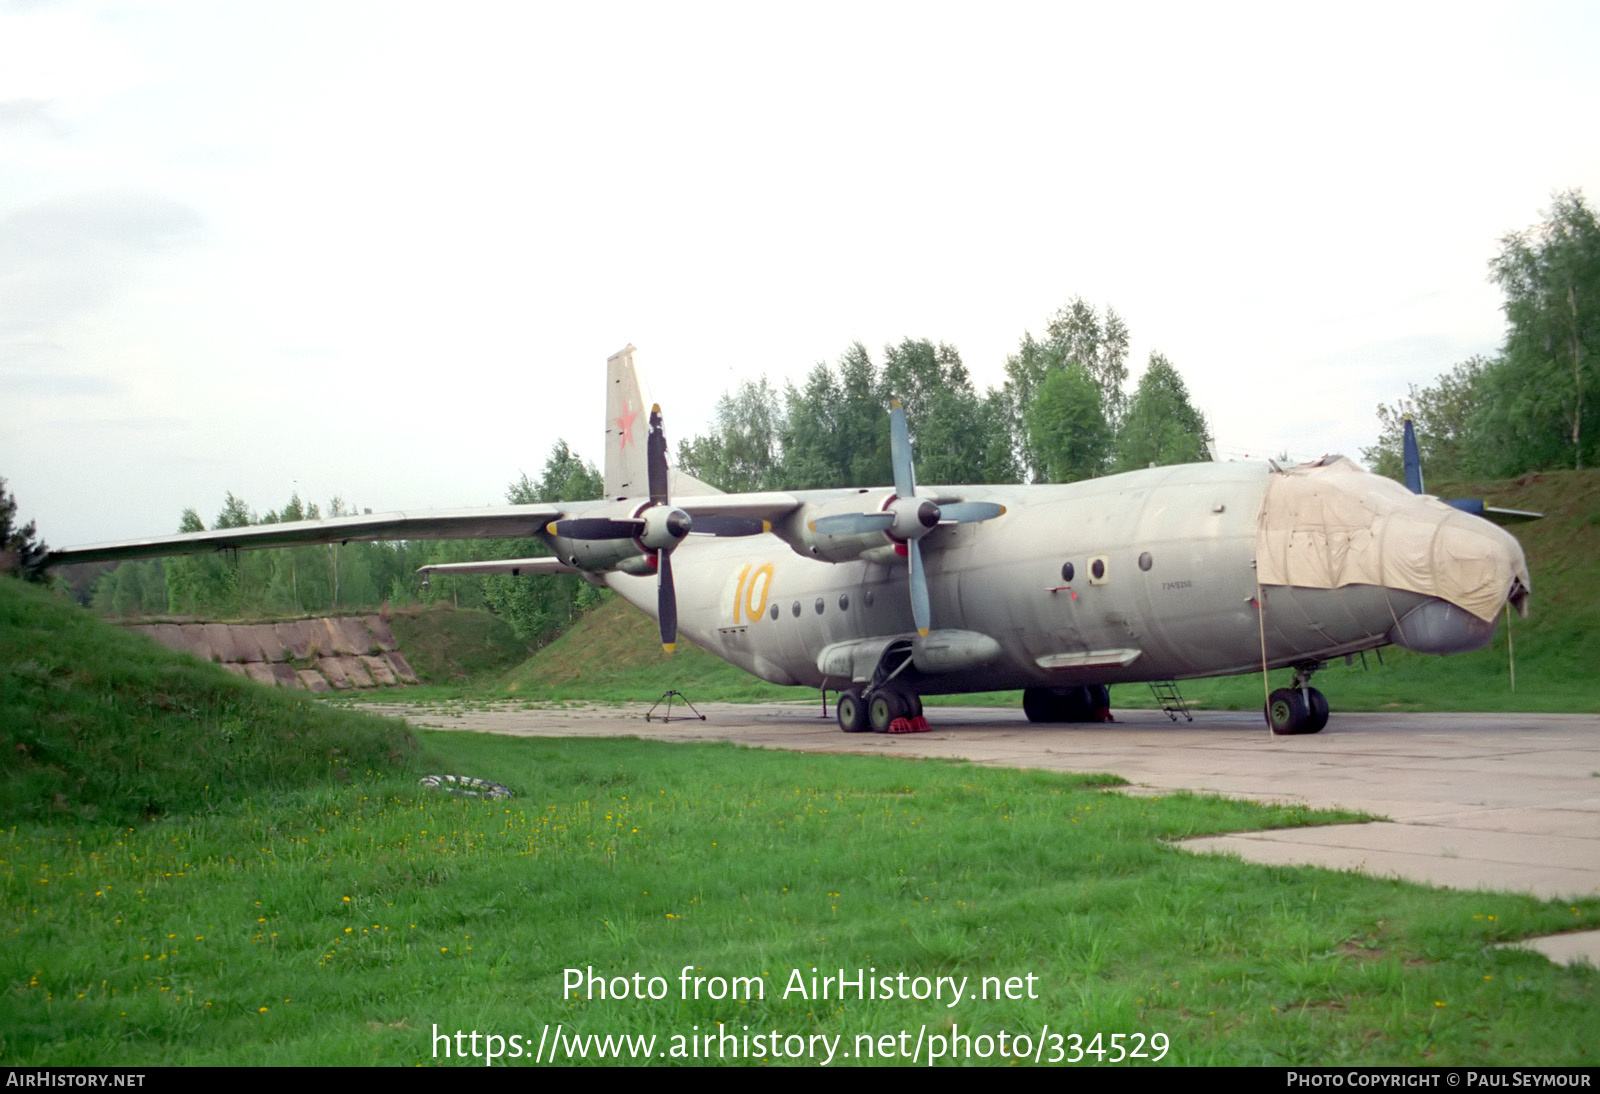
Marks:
<point>627,427</point>
<point>627,422</point>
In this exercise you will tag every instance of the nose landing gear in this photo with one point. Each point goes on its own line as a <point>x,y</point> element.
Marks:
<point>1298,708</point>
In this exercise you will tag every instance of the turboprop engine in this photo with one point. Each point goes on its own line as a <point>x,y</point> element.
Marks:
<point>628,541</point>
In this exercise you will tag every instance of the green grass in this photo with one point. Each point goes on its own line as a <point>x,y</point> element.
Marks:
<point>445,645</point>
<point>339,925</point>
<point>96,722</point>
<point>195,870</point>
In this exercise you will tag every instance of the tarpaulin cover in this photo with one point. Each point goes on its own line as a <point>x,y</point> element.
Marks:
<point>1330,523</point>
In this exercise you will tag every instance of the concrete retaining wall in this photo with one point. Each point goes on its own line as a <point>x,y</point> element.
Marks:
<point>336,653</point>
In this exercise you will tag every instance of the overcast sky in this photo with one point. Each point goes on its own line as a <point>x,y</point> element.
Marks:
<point>382,250</point>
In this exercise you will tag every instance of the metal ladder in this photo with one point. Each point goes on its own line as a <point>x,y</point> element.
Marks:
<point>1166,693</point>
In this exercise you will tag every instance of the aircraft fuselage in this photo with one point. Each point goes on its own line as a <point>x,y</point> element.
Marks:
<point>1148,575</point>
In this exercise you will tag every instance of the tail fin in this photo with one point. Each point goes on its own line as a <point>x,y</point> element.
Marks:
<point>627,425</point>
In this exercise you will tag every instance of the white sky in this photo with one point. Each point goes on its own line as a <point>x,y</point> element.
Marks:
<point>382,250</point>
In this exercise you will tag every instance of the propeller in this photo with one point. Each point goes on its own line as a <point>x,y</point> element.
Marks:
<point>658,527</point>
<point>907,518</point>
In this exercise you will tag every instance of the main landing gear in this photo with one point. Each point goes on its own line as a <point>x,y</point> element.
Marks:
<point>1298,708</point>
<point>1091,703</point>
<point>886,704</point>
<point>878,710</point>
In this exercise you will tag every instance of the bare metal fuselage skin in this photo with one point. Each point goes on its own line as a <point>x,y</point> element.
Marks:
<point>1162,586</point>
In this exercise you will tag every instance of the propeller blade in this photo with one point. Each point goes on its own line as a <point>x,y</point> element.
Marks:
<point>595,528</point>
<point>967,512</point>
<point>850,524</point>
<point>905,480</point>
<point>729,526</point>
<point>666,601</point>
<point>1413,458</point>
<point>655,457</point>
<point>920,612</point>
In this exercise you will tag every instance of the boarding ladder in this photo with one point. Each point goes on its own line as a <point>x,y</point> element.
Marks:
<point>1166,693</point>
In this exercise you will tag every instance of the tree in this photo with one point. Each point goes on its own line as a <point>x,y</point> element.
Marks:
<point>20,553</point>
<point>537,608</point>
<point>1161,426</point>
<point>1547,384</point>
<point>743,451</point>
<point>1075,335</point>
<point>1446,417</point>
<point>1067,429</point>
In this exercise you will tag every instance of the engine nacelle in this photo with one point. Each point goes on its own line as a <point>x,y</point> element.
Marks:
<point>595,555</point>
<point>595,551</point>
<point>798,530</point>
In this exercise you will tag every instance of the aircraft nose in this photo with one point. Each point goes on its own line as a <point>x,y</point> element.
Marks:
<point>1330,524</point>
<point>1473,569</point>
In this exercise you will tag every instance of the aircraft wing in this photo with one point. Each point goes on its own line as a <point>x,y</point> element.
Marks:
<point>527,567</point>
<point>505,522</point>
<point>763,506</point>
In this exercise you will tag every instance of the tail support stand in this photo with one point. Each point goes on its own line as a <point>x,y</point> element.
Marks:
<point>666,697</point>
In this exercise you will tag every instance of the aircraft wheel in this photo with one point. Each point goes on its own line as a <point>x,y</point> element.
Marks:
<point>1039,704</point>
<point>851,711</point>
<point>1099,703</point>
<point>1287,712</point>
<point>1317,711</point>
<point>884,707</point>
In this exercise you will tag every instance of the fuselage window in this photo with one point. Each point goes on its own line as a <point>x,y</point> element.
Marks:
<point>866,598</point>
<point>1067,571</point>
<point>844,601</point>
<point>774,612</point>
<point>1098,568</point>
<point>796,609</point>
<point>1145,561</point>
<point>819,605</point>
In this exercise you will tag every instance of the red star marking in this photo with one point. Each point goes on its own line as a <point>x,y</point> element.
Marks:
<point>625,423</point>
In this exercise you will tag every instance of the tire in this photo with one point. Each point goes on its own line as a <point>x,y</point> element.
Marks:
<point>851,712</point>
<point>1099,703</point>
<point>1286,712</point>
<point>1317,711</point>
<point>1039,704</point>
<point>883,708</point>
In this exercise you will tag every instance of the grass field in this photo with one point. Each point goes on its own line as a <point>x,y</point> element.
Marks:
<point>342,924</point>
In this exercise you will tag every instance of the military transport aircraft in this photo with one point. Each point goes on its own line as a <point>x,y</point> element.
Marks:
<point>887,594</point>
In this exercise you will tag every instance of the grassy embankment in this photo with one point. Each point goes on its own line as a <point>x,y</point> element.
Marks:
<point>325,909</point>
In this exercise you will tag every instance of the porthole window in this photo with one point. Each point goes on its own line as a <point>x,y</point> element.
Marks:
<point>1098,568</point>
<point>774,612</point>
<point>819,605</point>
<point>844,601</point>
<point>1066,573</point>
<point>796,609</point>
<point>866,598</point>
<point>1145,561</point>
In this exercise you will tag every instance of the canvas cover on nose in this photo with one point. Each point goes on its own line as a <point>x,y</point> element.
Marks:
<point>1330,523</point>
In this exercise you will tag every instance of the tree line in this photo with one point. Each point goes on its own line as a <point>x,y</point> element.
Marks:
<point>334,578</point>
<point>1535,405</point>
<point>1062,414</point>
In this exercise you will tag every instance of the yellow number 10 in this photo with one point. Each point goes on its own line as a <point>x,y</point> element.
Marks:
<point>746,594</point>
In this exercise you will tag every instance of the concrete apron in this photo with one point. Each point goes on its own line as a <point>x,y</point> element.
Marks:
<point>1507,802</point>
